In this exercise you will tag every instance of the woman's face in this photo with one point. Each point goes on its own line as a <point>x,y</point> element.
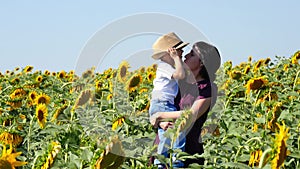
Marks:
<point>192,60</point>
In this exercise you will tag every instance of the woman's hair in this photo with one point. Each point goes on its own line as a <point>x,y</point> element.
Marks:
<point>210,58</point>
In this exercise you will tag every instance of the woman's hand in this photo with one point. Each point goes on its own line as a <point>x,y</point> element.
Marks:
<point>154,119</point>
<point>165,125</point>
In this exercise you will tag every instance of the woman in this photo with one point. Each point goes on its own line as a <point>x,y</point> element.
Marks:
<point>198,94</point>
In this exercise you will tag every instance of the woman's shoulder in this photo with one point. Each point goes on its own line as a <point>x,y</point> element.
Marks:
<point>206,88</point>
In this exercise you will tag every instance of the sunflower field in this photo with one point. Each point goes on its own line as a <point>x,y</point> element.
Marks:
<point>99,120</point>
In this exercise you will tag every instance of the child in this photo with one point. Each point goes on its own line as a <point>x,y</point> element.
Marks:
<point>168,49</point>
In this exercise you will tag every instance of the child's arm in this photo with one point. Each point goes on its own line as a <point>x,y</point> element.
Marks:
<point>179,69</point>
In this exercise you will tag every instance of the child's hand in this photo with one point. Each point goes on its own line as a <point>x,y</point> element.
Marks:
<point>173,52</point>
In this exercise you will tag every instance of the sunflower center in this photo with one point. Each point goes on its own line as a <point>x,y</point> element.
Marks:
<point>42,100</point>
<point>40,115</point>
<point>123,71</point>
<point>135,81</point>
<point>4,164</point>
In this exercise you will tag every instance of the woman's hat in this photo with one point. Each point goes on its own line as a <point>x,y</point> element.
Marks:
<point>163,43</point>
<point>209,55</point>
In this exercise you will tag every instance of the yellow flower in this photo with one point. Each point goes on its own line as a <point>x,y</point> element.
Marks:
<point>142,90</point>
<point>255,83</point>
<point>32,95</point>
<point>47,72</point>
<point>250,59</point>
<point>117,123</point>
<point>41,114</point>
<point>8,138</point>
<point>150,76</point>
<point>109,96</point>
<point>255,158</point>
<point>133,82</point>
<point>235,75</point>
<point>254,128</point>
<point>8,159</point>
<point>28,69</point>
<point>39,79</point>
<point>42,99</point>
<point>280,146</point>
<point>98,85</point>
<point>142,69</point>
<point>58,112</point>
<point>267,61</point>
<point>83,98</point>
<point>294,60</point>
<point>123,71</point>
<point>258,65</point>
<point>112,156</point>
<point>247,69</point>
<point>61,74</point>
<point>88,73</point>
<point>55,148</point>
<point>18,93</point>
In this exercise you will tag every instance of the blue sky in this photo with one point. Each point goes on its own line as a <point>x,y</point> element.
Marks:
<point>52,34</point>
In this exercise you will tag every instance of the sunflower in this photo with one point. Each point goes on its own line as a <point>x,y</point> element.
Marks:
<point>28,69</point>
<point>17,103</point>
<point>123,71</point>
<point>250,59</point>
<point>117,123</point>
<point>267,61</point>
<point>39,79</point>
<point>133,82</point>
<point>236,75</point>
<point>72,72</point>
<point>143,90</point>
<point>8,159</point>
<point>41,114</point>
<point>255,128</point>
<point>47,72</point>
<point>99,84</point>
<point>150,76</point>
<point>58,112</point>
<point>61,74</point>
<point>88,73</point>
<point>280,151</point>
<point>142,69</point>
<point>32,95</point>
<point>247,69</point>
<point>83,98</point>
<point>286,67</point>
<point>255,158</point>
<point>112,156</point>
<point>42,99</point>
<point>258,64</point>
<point>17,68</point>
<point>18,93</point>
<point>9,138</point>
<point>294,60</point>
<point>15,81</point>
<point>255,83</point>
<point>109,96</point>
<point>55,148</point>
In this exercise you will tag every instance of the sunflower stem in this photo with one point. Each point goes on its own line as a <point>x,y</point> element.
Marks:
<point>254,138</point>
<point>262,159</point>
<point>29,135</point>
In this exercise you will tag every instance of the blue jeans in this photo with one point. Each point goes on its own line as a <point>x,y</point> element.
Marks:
<point>165,106</point>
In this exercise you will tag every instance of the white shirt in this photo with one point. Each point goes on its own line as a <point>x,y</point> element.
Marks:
<point>165,88</point>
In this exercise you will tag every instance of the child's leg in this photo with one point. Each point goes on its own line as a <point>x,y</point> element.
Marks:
<point>179,144</point>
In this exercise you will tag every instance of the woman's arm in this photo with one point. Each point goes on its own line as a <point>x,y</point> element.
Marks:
<point>198,108</point>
